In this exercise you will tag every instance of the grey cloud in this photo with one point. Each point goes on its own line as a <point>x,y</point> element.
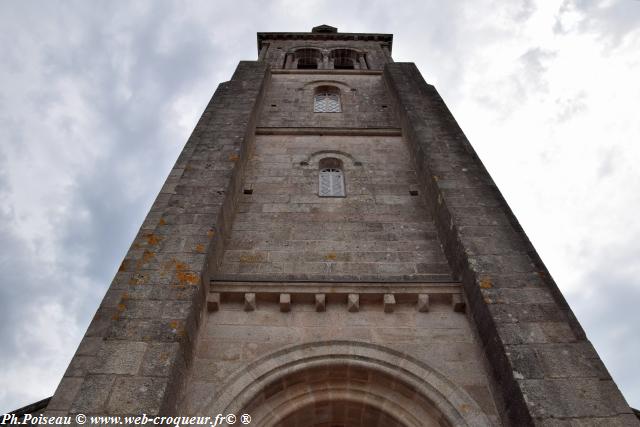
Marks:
<point>607,309</point>
<point>569,107</point>
<point>611,21</point>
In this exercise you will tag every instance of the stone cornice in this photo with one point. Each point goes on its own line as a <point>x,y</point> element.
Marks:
<point>385,38</point>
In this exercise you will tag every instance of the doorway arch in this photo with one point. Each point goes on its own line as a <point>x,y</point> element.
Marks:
<point>346,384</point>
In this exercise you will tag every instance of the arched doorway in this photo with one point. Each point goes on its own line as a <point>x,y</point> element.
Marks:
<point>345,384</point>
<point>340,395</point>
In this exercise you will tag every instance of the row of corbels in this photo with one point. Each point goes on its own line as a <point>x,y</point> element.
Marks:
<point>353,302</point>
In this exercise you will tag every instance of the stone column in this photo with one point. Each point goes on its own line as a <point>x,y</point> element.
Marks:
<point>288,63</point>
<point>263,52</point>
<point>362,62</point>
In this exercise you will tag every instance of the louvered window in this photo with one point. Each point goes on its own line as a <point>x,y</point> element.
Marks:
<point>331,183</point>
<point>327,102</point>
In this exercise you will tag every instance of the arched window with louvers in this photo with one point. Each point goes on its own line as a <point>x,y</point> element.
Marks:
<point>327,100</point>
<point>331,178</point>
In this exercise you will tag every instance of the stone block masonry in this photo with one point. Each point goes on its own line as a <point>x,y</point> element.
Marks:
<point>546,369</point>
<point>283,230</point>
<point>133,357</point>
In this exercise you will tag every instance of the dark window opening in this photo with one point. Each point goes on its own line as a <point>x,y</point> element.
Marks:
<point>308,59</point>
<point>248,191</point>
<point>343,64</point>
<point>307,64</point>
<point>346,59</point>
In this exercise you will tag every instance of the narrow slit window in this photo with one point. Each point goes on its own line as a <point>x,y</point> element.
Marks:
<point>331,183</point>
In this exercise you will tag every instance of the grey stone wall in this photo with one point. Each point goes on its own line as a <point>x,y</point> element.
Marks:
<point>547,370</point>
<point>133,357</point>
<point>233,341</point>
<point>379,231</point>
<point>365,103</point>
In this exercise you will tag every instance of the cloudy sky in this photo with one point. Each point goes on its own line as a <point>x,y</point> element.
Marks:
<point>97,99</point>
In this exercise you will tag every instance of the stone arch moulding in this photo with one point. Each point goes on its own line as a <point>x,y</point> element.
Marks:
<point>306,46</point>
<point>346,158</point>
<point>453,405</point>
<point>318,83</point>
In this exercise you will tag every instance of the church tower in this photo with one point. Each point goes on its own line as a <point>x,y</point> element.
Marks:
<point>329,251</point>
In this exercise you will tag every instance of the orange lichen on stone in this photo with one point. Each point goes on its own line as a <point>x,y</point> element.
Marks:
<point>152,239</point>
<point>180,266</point>
<point>148,256</point>
<point>211,233</point>
<point>185,277</point>
<point>200,248</point>
<point>123,265</point>
<point>234,157</point>
<point>331,256</point>
<point>177,327</point>
<point>121,308</point>
<point>485,283</point>
<point>162,221</point>
<point>137,280</point>
<point>252,258</point>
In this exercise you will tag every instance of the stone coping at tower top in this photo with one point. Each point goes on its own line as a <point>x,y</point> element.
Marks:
<point>385,38</point>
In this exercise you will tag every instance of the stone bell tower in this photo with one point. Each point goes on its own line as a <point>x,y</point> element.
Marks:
<point>329,251</point>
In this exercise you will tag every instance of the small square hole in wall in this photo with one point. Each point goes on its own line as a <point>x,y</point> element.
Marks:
<point>384,106</point>
<point>248,191</point>
<point>303,163</point>
<point>274,105</point>
<point>413,192</point>
<point>357,163</point>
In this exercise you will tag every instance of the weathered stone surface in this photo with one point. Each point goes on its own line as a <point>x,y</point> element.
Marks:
<point>65,394</point>
<point>119,357</point>
<point>137,395</point>
<point>93,394</point>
